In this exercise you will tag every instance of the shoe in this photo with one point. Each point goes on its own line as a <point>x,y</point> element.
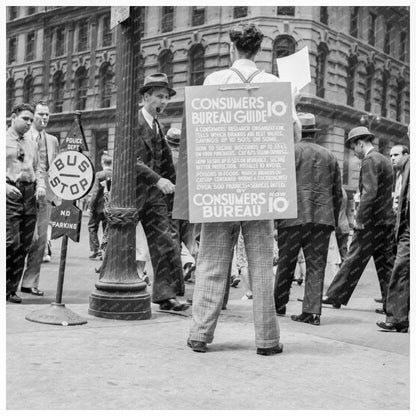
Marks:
<point>197,346</point>
<point>235,280</point>
<point>328,301</point>
<point>378,300</point>
<point>97,269</point>
<point>95,256</point>
<point>187,271</point>
<point>46,259</point>
<point>189,300</point>
<point>281,311</point>
<point>247,296</point>
<point>13,298</point>
<point>173,305</point>
<point>270,351</point>
<point>381,311</point>
<point>307,318</point>
<point>388,326</point>
<point>32,290</point>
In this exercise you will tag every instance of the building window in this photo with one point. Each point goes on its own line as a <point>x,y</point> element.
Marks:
<point>351,71</point>
<point>384,92</point>
<point>13,12</point>
<point>323,18</point>
<point>321,70</point>
<point>167,19</point>
<point>387,38</point>
<point>240,12</point>
<point>30,47</point>
<point>403,45</point>
<point>58,92</point>
<point>31,10</point>
<point>286,11</point>
<point>197,65</point>
<point>60,41</point>
<point>401,84</point>
<point>198,16</point>
<point>369,76</point>
<point>10,95</point>
<point>372,29</point>
<point>107,34</point>
<point>166,64</point>
<point>11,55</point>
<point>83,35</point>
<point>284,45</point>
<point>28,89</point>
<point>81,88</point>
<point>106,85</point>
<point>354,22</point>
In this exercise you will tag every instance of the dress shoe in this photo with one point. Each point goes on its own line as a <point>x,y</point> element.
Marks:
<point>381,311</point>
<point>187,271</point>
<point>197,346</point>
<point>235,280</point>
<point>173,305</point>
<point>13,298</point>
<point>378,300</point>
<point>328,301</point>
<point>32,290</point>
<point>307,318</point>
<point>96,256</point>
<point>270,351</point>
<point>281,311</point>
<point>388,326</point>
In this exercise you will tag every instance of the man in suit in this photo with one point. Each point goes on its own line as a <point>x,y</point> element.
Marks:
<point>398,289</point>
<point>22,182</point>
<point>155,187</point>
<point>373,225</point>
<point>96,205</point>
<point>319,196</point>
<point>397,155</point>
<point>48,149</point>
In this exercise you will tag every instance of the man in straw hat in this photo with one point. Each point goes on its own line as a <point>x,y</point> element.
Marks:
<point>373,225</point>
<point>319,196</point>
<point>155,187</point>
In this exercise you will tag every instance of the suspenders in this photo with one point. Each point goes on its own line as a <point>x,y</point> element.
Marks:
<point>249,79</point>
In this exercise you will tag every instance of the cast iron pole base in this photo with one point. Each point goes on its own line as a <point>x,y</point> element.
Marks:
<point>56,314</point>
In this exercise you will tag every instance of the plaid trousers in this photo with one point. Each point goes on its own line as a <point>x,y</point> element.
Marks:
<point>213,264</point>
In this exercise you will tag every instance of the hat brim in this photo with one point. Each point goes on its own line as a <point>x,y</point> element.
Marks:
<point>173,142</point>
<point>355,138</point>
<point>147,87</point>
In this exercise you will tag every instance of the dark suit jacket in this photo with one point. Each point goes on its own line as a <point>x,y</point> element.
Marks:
<point>146,175</point>
<point>403,209</point>
<point>97,192</point>
<point>318,184</point>
<point>375,186</point>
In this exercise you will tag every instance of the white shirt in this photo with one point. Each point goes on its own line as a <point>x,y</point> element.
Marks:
<point>149,118</point>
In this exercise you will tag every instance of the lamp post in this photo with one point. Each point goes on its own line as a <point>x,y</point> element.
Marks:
<point>369,119</point>
<point>120,293</point>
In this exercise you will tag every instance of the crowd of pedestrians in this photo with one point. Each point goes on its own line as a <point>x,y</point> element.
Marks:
<point>216,255</point>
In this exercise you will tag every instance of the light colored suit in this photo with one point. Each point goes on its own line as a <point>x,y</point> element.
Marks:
<point>36,251</point>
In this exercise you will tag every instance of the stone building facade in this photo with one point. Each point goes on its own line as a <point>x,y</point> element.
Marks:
<point>359,60</point>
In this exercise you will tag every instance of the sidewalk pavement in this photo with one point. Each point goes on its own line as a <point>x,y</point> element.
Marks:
<point>346,363</point>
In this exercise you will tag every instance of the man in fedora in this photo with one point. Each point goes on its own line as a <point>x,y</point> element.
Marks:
<point>319,196</point>
<point>155,187</point>
<point>373,225</point>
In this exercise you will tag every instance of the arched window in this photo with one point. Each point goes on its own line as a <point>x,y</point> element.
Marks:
<point>28,89</point>
<point>321,69</point>
<point>166,64</point>
<point>81,88</point>
<point>10,94</point>
<point>369,76</point>
<point>384,91</point>
<point>106,84</point>
<point>351,71</point>
<point>196,65</point>
<point>283,45</point>
<point>58,84</point>
<point>401,85</point>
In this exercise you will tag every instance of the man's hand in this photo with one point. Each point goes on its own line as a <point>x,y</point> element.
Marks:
<point>165,185</point>
<point>40,193</point>
<point>12,192</point>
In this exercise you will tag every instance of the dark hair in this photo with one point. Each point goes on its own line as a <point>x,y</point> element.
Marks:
<point>18,108</point>
<point>405,149</point>
<point>247,38</point>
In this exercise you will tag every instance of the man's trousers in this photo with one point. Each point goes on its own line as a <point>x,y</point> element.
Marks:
<point>213,266</point>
